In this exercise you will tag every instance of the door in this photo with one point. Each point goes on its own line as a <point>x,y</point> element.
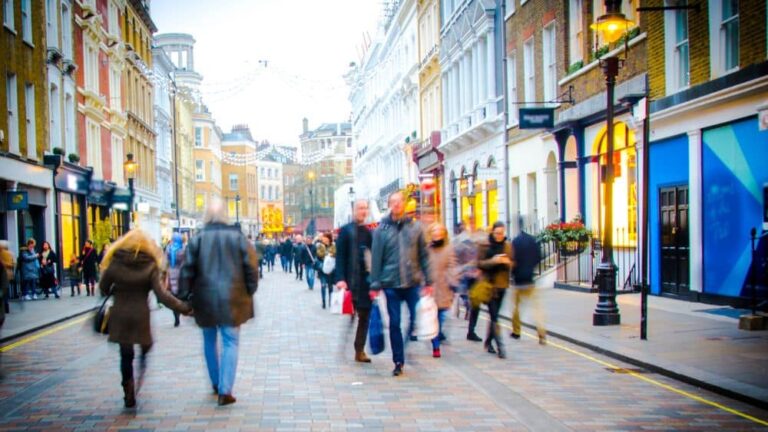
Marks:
<point>675,243</point>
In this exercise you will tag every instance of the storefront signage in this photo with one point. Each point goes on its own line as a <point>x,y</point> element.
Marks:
<point>71,182</point>
<point>17,200</point>
<point>142,207</point>
<point>537,118</point>
<point>429,160</point>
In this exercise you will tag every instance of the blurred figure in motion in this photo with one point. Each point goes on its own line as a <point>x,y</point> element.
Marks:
<point>220,273</point>
<point>466,245</point>
<point>527,255</point>
<point>8,266</point>
<point>325,248</point>
<point>130,269</point>
<point>443,265</point>
<point>353,252</point>
<point>496,263</point>
<point>400,265</point>
<point>74,275</point>
<point>175,258</point>
<point>298,246</point>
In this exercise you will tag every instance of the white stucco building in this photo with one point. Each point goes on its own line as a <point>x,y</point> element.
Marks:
<point>473,115</point>
<point>162,67</point>
<point>385,105</point>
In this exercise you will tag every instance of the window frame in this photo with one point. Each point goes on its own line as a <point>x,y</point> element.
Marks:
<point>12,112</point>
<point>30,120</point>
<point>513,117</point>
<point>26,21</point>
<point>199,170</point>
<point>672,50</point>
<point>575,31</point>
<point>9,16</point>
<point>549,68</point>
<point>529,70</point>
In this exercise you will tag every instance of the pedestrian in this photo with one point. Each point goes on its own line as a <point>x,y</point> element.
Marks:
<point>174,256</point>
<point>261,251</point>
<point>4,287</point>
<point>220,275</point>
<point>286,252</point>
<point>496,263</point>
<point>466,246</point>
<point>444,267</point>
<point>325,248</point>
<point>353,267</point>
<point>8,265</point>
<point>527,255</point>
<point>271,253</point>
<point>298,248</point>
<point>88,267</point>
<point>30,270</point>
<point>130,270</point>
<point>309,261</point>
<point>48,280</point>
<point>400,265</point>
<point>75,277</point>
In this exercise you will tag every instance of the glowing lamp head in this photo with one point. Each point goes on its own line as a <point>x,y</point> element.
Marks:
<point>612,26</point>
<point>130,166</point>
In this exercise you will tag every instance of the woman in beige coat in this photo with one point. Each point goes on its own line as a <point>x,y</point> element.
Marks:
<point>444,267</point>
<point>130,269</point>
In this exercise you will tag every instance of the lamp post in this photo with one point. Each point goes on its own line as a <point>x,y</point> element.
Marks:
<point>352,203</point>
<point>612,25</point>
<point>237,210</point>
<point>172,90</point>
<point>130,172</point>
<point>311,176</point>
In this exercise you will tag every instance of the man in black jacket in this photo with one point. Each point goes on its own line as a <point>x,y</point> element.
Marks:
<point>220,276</point>
<point>352,270</point>
<point>400,265</point>
<point>527,254</point>
<point>298,245</point>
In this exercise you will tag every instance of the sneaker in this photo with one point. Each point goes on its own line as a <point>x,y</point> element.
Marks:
<point>34,296</point>
<point>398,369</point>
<point>514,335</point>
<point>474,337</point>
<point>436,353</point>
<point>27,297</point>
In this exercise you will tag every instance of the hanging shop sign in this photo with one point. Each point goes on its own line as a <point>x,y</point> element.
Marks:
<point>17,200</point>
<point>537,118</point>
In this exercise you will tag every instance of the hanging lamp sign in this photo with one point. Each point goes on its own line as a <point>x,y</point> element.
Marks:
<point>537,118</point>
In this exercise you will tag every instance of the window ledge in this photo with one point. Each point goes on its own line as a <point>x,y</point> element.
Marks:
<point>29,43</point>
<point>10,29</point>
<point>588,67</point>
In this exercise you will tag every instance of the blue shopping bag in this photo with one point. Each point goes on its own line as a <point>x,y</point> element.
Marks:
<point>376,330</point>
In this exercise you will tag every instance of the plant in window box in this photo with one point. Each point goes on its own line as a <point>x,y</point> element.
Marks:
<point>575,67</point>
<point>572,238</point>
<point>74,158</point>
<point>58,151</point>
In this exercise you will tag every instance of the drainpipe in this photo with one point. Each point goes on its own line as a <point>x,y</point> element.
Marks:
<point>507,209</point>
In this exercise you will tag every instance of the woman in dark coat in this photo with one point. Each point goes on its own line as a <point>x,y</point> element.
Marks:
<point>496,264</point>
<point>130,269</point>
<point>89,261</point>
<point>48,262</point>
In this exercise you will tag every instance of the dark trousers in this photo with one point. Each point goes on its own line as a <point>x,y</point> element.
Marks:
<point>363,319</point>
<point>126,360</point>
<point>395,298</point>
<point>299,269</point>
<point>325,287</point>
<point>474,314</point>
<point>493,311</point>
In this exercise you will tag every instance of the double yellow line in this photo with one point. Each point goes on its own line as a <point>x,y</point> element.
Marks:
<point>646,379</point>
<point>44,333</point>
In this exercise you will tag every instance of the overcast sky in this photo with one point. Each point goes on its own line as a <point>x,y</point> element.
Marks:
<point>307,44</point>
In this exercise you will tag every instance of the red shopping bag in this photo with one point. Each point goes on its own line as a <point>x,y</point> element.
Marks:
<point>347,308</point>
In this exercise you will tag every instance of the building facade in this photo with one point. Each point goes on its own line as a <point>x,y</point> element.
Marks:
<point>471,43</point>
<point>164,154</point>
<point>708,162</point>
<point>207,160</point>
<point>239,178</point>
<point>327,155</point>
<point>27,208</point>
<point>270,196</point>
<point>385,106</point>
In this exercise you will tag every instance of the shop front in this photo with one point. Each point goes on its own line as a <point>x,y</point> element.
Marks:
<point>71,183</point>
<point>429,161</point>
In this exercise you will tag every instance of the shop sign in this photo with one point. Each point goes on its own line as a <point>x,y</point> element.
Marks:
<point>429,160</point>
<point>17,200</point>
<point>71,182</point>
<point>537,118</point>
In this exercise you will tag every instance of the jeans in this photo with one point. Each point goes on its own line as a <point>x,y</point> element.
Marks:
<point>29,287</point>
<point>325,286</point>
<point>283,263</point>
<point>441,315</point>
<point>395,298</point>
<point>363,320</point>
<point>493,311</point>
<point>126,360</point>
<point>222,364</point>
<point>310,276</point>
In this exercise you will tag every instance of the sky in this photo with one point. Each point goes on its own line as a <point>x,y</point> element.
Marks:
<point>307,46</point>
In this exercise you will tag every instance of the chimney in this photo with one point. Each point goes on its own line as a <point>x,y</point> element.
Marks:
<point>305,125</point>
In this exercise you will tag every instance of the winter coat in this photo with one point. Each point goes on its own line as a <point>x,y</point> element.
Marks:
<point>130,277</point>
<point>89,263</point>
<point>400,258</point>
<point>444,268</point>
<point>497,274</point>
<point>353,242</point>
<point>220,276</point>
<point>527,254</point>
<point>174,272</point>
<point>30,265</point>
<point>8,262</point>
<point>48,270</point>
<point>308,254</point>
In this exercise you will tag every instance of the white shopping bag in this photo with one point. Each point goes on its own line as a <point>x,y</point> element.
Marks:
<point>337,302</point>
<point>381,300</point>
<point>427,325</point>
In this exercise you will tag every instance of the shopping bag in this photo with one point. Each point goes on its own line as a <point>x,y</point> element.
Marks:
<point>376,330</point>
<point>337,302</point>
<point>101,319</point>
<point>347,308</point>
<point>480,292</point>
<point>427,325</point>
<point>329,264</point>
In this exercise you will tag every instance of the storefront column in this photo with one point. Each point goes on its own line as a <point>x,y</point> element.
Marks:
<point>695,215</point>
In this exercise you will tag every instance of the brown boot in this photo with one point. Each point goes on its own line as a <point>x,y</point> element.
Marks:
<point>362,358</point>
<point>130,394</point>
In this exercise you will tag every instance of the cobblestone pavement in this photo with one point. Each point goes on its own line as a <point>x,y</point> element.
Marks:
<point>296,373</point>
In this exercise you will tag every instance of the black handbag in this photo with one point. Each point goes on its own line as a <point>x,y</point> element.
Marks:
<point>101,319</point>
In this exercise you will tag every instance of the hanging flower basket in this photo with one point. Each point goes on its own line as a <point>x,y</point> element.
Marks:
<point>572,238</point>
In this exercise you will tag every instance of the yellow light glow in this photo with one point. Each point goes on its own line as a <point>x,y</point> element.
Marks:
<point>612,26</point>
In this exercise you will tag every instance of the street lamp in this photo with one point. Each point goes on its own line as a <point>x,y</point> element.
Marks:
<point>130,167</point>
<point>237,210</point>
<point>352,203</point>
<point>612,25</point>
<point>311,176</point>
